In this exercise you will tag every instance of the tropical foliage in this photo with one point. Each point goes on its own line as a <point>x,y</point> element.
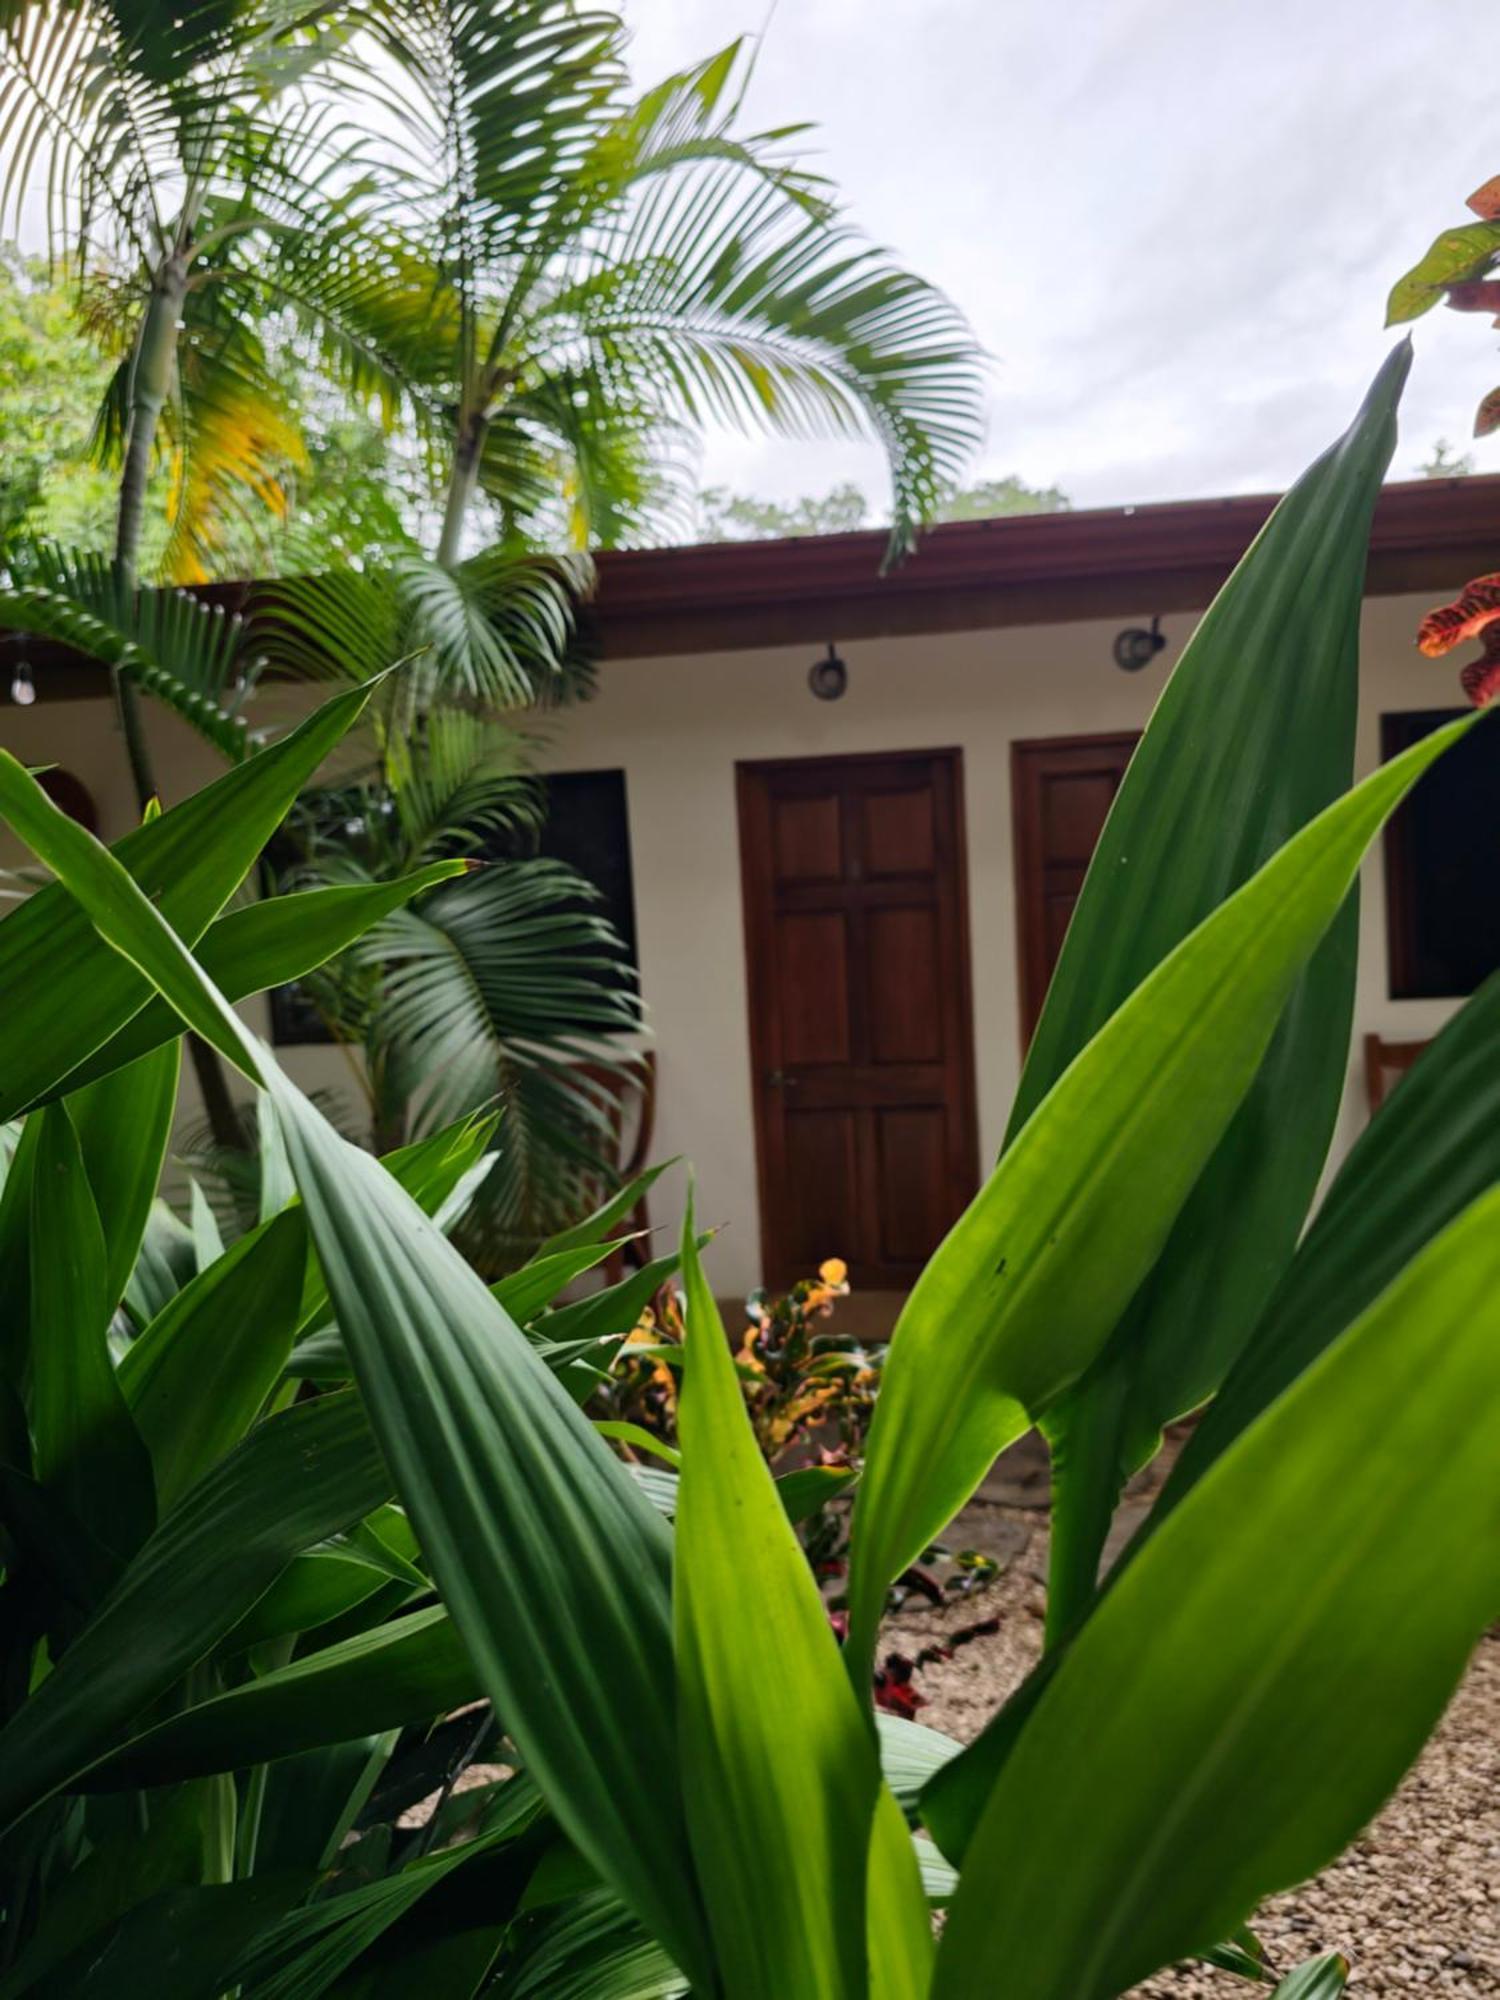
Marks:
<point>340,261</point>
<point>1457,270</point>
<point>277,1517</point>
<point>733,517</point>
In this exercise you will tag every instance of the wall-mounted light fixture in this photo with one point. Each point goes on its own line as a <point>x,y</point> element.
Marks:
<point>829,677</point>
<point>1137,647</point>
<point>22,686</point>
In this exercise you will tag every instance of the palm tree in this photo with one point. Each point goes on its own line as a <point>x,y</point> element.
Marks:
<point>569,279</point>
<point>174,147</point>
<point>501,987</point>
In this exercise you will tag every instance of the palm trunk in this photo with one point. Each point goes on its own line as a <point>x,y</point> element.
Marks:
<point>150,384</point>
<point>463,484</point>
<point>150,380</point>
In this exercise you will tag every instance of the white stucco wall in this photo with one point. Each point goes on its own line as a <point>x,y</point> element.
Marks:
<point>677,726</point>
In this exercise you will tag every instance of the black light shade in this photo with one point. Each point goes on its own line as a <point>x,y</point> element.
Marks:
<point>829,677</point>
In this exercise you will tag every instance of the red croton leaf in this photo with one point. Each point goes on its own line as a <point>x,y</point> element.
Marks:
<point>1479,295</point>
<point>1487,416</point>
<point>1485,201</point>
<point>1473,614</point>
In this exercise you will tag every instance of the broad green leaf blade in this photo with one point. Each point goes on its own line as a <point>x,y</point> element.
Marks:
<point>529,1291</point>
<point>181,1944</point>
<point>601,1224</point>
<point>588,1948</point>
<point>407,1671</point>
<point>15,1260</point>
<point>1031,1281</point>
<point>198,1376</point>
<point>1318,1979</point>
<point>1246,1696</point>
<point>119,910</point>
<point>88,1452</point>
<point>267,944</point>
<point>1433,1147</point>
<point>301,1956</point>
<point>320,1587</point>
<point>1253,736</point>
<point>910,1755</point>
<point>554,1568</point>
<point>123,1125</point>
<point>775,1816</point>
<point>120,1872</point>
<point>898,1920</point>
<point>66,994</point>
<point>615,1310</point>
<point>310,1801</point>
<point>297,1478</point>
<point>208,1243</point>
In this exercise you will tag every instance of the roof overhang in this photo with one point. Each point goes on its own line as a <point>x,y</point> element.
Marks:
<point>1429,535</point>
<point>1023,569</point>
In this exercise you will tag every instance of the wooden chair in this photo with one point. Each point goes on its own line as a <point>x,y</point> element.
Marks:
<point>1385,1065</point>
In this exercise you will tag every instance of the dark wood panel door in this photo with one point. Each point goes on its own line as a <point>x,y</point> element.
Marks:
<point>860,1026</point>
<point>1062,789</point>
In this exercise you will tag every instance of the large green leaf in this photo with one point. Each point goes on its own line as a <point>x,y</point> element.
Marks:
<point>66,992</point>
<point>1432,1148</point>
<point>197,1377</point>
<point>266,944</point>
<point>1031,1281</point>
<point>587,1948</point>
<point>553,1567</point>
<point>88,1452</point>
<point>1253,735</point>
<point>776,1816</point>
<point>123,1125</point>
<point>1242,1701</point>
<point>297,1478</point>
<point>179,1945</point>
<point>552,1564</point>
<point>300,1957</point>
<point>406,1671</point>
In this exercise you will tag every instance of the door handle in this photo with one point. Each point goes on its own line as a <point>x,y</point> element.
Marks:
<point>779,1080</point>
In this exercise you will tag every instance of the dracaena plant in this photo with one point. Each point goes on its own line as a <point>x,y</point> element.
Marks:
<point>693,1793</point>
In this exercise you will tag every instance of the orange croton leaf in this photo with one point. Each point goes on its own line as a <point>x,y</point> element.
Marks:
<point>833,1271</point>
<point>1485,201</point>
<point>1474,614</point>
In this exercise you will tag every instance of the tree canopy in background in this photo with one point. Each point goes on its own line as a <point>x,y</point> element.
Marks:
<point>725,516</point>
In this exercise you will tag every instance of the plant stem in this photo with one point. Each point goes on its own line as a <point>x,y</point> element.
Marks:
<point>463,482</point>
<point>150,380</point>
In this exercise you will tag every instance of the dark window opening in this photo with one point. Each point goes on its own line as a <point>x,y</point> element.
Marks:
<point>1442,864</point>
<point>586,827</point>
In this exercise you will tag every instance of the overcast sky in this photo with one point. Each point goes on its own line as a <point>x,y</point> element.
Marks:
<point>1172,223</point>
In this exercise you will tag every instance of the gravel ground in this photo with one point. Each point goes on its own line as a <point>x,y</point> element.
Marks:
<point>1414,1905</point>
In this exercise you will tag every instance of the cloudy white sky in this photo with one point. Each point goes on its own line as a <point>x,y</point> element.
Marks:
<point>1172,223</point>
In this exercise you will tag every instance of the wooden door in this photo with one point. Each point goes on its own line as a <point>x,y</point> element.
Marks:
<point>860,1030</point>
<point>1061,790</point>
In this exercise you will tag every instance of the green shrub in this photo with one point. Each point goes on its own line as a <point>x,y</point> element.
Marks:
<point>235,1610</point>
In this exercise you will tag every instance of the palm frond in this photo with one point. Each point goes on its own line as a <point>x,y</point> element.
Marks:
<point>500,628</point>
<point>740,308</point>
<point>187,654</point>
<point>460,786</point>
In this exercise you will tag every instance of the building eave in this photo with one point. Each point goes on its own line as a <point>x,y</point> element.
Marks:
<point>1428,535</point>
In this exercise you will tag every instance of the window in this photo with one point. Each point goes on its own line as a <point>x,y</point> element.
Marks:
<point>587,827</point>
<point>1442,864</point>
